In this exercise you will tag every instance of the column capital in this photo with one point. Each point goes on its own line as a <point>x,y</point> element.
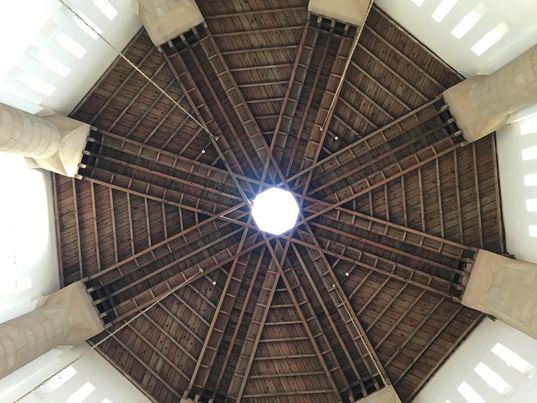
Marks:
<point>504,288</point>
<point>165,20</point>
<point>84,317</point>
<point>385,395</point>
<point>353,12</point>
<point>483,104</point>
<point>66,317</point>
<point>473,120</point>
<point>52,142</point>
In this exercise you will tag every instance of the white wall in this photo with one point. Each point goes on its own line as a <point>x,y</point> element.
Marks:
<point>519,200</point>
<point>28,257</point>
<point>475,350</point>
<point>28,251</point>
<point>28,83</point>
<point>106,384</point>
<point>28,40</point>
<point>520,16</point>
<point>28,270</point>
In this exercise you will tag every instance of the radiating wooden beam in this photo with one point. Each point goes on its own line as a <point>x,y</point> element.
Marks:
<point>428,344</point>
<point>344,309</point>
<point>238,382</point>
<point>166,287</point>
<point>153,247</point>
<point>328,316</point>
<point>374,269</point>
<point>312,339</point>
<point>310,97</point>
<point>179,162</point>
<point>439,363</point>
<point>184,257</point>
<point>363,141</point>
<point>77,226</point>
<point>290,84</point>
<point>218,310</point>
<point>232,343</point>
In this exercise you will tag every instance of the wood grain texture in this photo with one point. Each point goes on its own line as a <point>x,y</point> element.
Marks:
<point>365,291</point>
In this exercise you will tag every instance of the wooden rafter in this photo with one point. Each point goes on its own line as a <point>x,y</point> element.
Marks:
<point>214,330</point>
<point>393,206</point>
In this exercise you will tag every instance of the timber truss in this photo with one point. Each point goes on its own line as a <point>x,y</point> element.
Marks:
<point>364,293</point>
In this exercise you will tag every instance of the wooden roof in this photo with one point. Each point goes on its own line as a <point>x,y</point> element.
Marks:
<point>364,292</point>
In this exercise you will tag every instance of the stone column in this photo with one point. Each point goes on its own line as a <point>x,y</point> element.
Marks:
<point>504,288</point>
<point>165,20</point>
<point>66,317</point>
<point>482,104</point>
<point>386,395</point>
<point>53,142</point>
<point>349,11</point>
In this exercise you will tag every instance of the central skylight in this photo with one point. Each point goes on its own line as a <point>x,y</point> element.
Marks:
<point>275,211</point>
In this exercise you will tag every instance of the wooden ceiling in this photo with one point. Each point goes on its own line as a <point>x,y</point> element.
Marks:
<point>364,292</point>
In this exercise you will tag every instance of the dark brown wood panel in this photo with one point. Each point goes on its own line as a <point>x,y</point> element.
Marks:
<point>363,293</point>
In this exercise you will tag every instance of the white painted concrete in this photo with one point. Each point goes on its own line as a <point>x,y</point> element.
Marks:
<point>28,257</point>
<point>519,15</point>
<point>515,195</point>
<point>350,11</point>
<point>28,252</point>
<point>165,20</point>
<point>107,382</point>
<point>26,80</point>
<point>483,104</point>
<point>505,289</point>
<point>385,395</point>
<point>477,349</point>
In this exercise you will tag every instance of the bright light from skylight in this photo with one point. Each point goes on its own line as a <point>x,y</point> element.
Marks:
<point>531,205</point>
<point>20,22</point>
<point>528,126</point>
<point>490,38</point>
<point>469,20</point>
<point>443,9</point>
<point>35,83</point>
<point>513,360</point>
<point>532,231</point>
<point>419,3</point>
<point>492,379</point>
<point>83,26</point>
<point>529,153</point>
<point>469,394</point>
<point>49,62</point>
<point>52,31</point>
<point>106,8</point>
<point>530,180</point>
<point>81,394</point>
<point>275,211</point>
<point>56,382</point>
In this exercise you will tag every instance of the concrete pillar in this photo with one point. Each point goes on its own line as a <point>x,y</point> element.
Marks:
<point>53,142</point>
<point>349,11</point>
<point>483,104</point>
<point>504,288</point>
<point>165,20</point>
<point>386,395</point>
<point>66,317</point>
